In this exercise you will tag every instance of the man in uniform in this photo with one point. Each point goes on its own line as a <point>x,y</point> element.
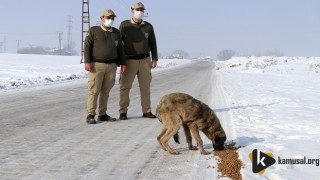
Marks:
<point>103,51</point>
<point>139,39</point>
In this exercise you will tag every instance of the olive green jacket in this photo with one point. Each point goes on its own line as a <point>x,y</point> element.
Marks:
<point>138,39</point>
<point>100,44</point>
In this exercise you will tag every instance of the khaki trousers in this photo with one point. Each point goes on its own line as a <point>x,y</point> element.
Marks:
<point>101,80</point>
<point>142,69</point>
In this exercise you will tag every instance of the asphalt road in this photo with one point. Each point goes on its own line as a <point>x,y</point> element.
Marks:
<point>43,133</point>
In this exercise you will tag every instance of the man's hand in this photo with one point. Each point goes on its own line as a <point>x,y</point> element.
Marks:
<point>153,64</point>
<point>87,67</point>
<point>123,68</point>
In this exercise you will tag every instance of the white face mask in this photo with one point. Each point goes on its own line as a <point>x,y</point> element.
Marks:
<point>138,14</point>
<point>108,22</point>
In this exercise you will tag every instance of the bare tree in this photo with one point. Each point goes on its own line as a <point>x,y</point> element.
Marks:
<point>273,52</point>
<point>33,50</point>
<point>180,54</point>
<point>226,54</point>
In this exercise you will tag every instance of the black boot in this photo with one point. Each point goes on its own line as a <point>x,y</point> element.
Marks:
<point>106,117</point>
<point>149,115</point>
<point>90,119</point>
<point>123,116</point>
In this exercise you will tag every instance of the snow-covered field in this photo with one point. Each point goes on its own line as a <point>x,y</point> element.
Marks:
<point>275,108</point>
<point>274,103</point>
<point>18,71</point>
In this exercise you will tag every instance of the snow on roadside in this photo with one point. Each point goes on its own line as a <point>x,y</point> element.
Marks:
<point>21,70</point>
<point>275,108</point>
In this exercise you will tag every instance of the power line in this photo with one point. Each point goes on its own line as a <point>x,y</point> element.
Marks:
<point>69,36</point>
<point>60,39</point>
<point>18,45</point>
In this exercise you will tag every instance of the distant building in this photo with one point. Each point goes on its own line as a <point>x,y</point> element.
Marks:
<point>174,56</point>
<point>204,58</point>
<point>44,51</point>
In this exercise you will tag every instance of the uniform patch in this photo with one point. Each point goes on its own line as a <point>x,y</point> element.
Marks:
<point>146,35</point>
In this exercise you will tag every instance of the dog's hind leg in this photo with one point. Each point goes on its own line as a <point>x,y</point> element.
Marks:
<point>189,137</point>
<point>195,132</point>
<point>165,138</point>
<point>160,136</point>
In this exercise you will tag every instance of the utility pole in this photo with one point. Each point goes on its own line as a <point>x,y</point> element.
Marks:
<point>60,38</point>
<point>18,45</point>
<point>85,23</point>
<point>4,44</point>
<point>69,38</point>
<point>1,44</point>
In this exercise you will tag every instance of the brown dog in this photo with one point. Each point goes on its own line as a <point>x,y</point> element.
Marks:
<point>179,109</point>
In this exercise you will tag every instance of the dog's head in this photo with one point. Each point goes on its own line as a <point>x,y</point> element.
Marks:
<point>216,133</point>
<point>219,139</point>
<point>217,136</point>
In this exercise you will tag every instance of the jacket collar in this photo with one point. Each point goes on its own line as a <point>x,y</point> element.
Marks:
<point>104,29</point>
<point>132,21</point>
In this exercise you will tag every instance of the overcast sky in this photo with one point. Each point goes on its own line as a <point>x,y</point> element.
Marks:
<point>202,27</point>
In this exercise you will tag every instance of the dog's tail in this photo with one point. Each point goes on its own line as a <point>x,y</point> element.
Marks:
<point>176,138</point>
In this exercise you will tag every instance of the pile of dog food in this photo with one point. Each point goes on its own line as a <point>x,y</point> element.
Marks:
<point>229,164</point>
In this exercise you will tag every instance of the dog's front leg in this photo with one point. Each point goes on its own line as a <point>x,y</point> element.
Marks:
<point>195,132</point>
<point>188,137</point>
